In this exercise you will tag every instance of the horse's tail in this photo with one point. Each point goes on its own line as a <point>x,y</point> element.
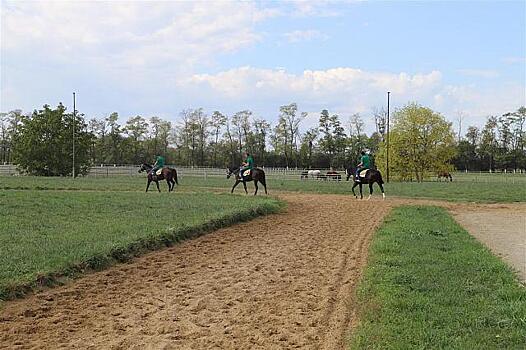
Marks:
<point>380,180</point>
<point>174,172</point>
<point>262,179</point>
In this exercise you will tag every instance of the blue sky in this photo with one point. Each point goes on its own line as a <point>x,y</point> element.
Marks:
<point>157,58</point>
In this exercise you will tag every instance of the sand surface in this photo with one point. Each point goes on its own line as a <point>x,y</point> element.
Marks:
<point>281,281</point>
<point>502,228</point>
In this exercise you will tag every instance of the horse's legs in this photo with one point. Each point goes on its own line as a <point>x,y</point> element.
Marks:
<point>157,183</point>
<point>237,183</point>
<point>353,186</point>
<point>148,185</point>
<point>264,183</point>
<point>169,185</point>
<point>256,185</point>
<point>361,191</point>
<point>370,190</point>
<point>245,186</point>
<point>382,188</point>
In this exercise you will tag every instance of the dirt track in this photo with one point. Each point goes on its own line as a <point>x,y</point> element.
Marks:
<point>283,281</point>
<point>502,228</point>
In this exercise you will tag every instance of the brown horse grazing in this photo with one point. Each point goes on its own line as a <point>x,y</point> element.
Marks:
<point>255,175</point>
<point>168,174</point>
<point>370,178</point>
<point>444,174</point>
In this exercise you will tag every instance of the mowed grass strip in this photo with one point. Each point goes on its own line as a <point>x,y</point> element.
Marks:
<point>458,191</point>
<point>111,183</point>
<point>46,235</point>
<point>483,192</point>
<point>430,285</point>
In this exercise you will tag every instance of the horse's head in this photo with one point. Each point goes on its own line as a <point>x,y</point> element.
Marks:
<point>231,171</point>
<point>144,167</point>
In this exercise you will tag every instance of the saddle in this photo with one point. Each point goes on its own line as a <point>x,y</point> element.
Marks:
<point>363,173</point>
<point>247,173</point>
<point>159,172</point>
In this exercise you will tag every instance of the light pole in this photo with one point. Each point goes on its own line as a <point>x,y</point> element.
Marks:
<point>387,139</point>
<point>73,135</point>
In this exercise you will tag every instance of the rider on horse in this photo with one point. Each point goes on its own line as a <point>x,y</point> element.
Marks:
<point>248,163</point>
<point>159,164</point>
<point>365,163</point>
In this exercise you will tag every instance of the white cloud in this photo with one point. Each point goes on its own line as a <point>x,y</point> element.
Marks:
<point>317,8</point>
<point>348,90</point>
<point>314,83</point>
<point>514,59</point>
<point>130,35</point>
<point>480,73</point>
<point>304,35</point>
<point>482,102</point>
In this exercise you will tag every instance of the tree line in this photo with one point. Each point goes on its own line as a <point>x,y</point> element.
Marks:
<point>422,141</point>
<point>500,144</point>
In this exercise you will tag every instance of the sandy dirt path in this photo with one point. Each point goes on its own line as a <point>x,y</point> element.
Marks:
<point>281,281</point>
<point>502,228</point>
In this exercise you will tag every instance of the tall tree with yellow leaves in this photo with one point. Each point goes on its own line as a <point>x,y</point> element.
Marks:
<point>422,143</point>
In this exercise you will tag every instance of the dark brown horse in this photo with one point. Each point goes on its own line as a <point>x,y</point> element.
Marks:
<point>444,174</point>
<point>168,174</point>
<point>370,178</point>
<point>256,175</point>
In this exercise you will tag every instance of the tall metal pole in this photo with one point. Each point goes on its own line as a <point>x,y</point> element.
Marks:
<point>74,117</point>
<point>387,157</point>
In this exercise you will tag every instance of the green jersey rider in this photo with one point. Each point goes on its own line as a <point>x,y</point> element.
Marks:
<point>365,163</point>
<point>248,163</point>
<point>159,163</point>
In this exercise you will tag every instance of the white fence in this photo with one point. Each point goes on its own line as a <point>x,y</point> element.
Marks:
<point>277,173</point>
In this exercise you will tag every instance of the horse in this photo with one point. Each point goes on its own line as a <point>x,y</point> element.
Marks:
<point>168,174</point>
<point>370,178</point>
<point>256,175</point>
<point>444,174</point>
<point>333,175</point>
<point>315,174</point>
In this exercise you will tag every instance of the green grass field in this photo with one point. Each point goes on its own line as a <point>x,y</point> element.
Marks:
<point>465,190</point>
<point>430,285</point>
<point>47,234</point>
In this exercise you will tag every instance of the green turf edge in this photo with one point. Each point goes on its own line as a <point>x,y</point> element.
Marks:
<point>430,285</point>
<point>122,254</point>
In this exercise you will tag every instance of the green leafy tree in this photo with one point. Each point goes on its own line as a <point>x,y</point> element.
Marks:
<point>422,142</point>
<point>43,143</point>
<point>217,122</point>
<point>308,147</point>
<point>261,130</point>
<point>489,143</point>
<point>333,140</point>
<point>136,129</point>
<point>8,125</point>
